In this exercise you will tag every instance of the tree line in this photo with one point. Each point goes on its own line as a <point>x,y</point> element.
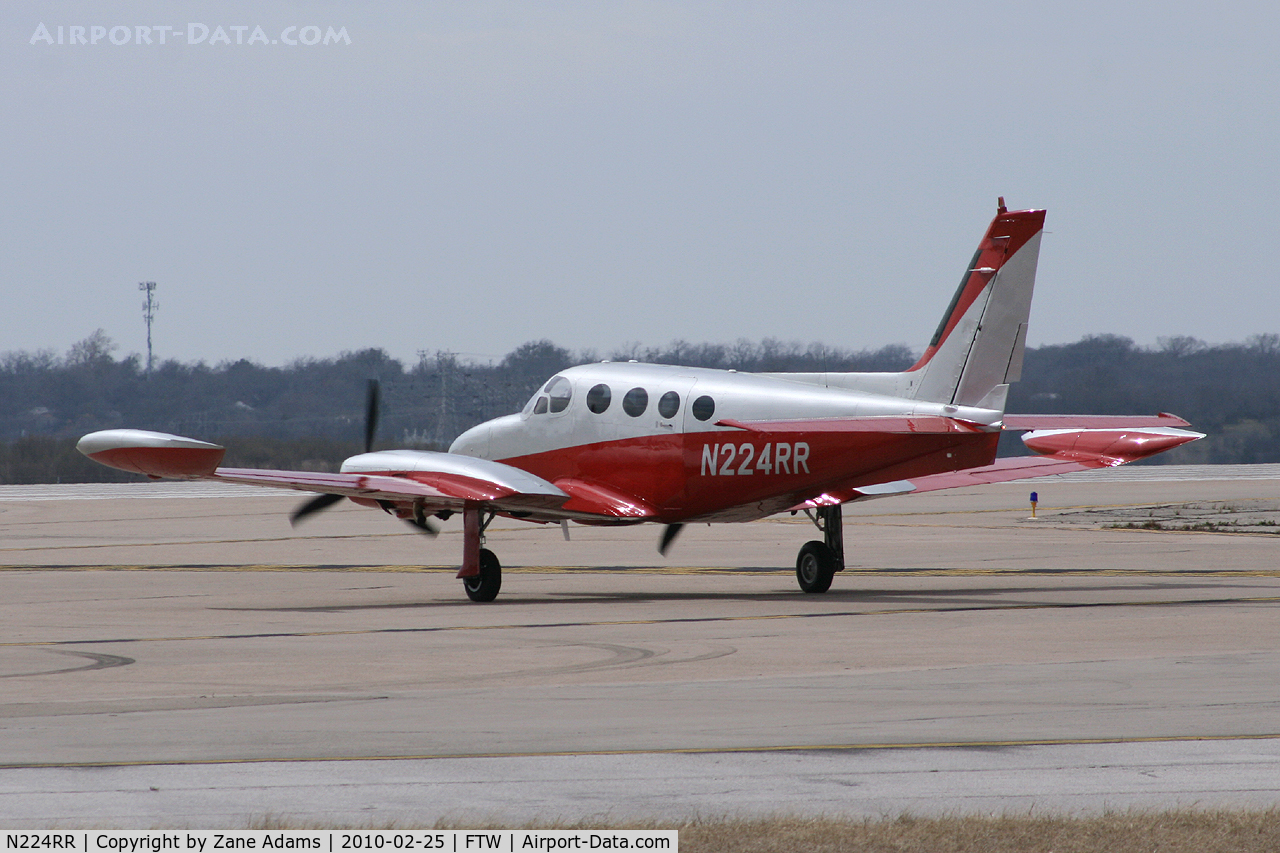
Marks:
<point>309,414</point>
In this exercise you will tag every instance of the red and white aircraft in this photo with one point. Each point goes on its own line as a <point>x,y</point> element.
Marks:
<point>624,443</point>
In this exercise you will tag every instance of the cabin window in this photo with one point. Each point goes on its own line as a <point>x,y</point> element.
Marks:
<point>560,390</point>
<point>703,408</point>
<point>669,405</point>
<point>636,401</point>
<point>598,398</point>
<point>540,407</point>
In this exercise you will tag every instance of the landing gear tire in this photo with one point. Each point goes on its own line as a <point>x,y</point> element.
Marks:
<point>485,586</point>
<point>815,567</point>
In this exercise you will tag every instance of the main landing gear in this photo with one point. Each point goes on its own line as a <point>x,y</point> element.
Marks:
<point>485,586</point>
<point>816,565</point>
<point>818,562</point>
<point>481,572</point>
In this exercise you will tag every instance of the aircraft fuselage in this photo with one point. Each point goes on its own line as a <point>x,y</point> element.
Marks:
<point>686,439</point>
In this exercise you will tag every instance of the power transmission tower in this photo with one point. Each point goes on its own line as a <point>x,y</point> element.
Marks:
<point>446,365</point>
<point>149,309</point>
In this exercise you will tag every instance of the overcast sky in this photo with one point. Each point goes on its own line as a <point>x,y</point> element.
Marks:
<point>471,176</point>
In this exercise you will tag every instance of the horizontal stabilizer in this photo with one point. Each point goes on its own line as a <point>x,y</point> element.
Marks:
<point>1064,451</point>
<point>1107,447</point>
<point>1001,471</point>
<point>1164,419</point>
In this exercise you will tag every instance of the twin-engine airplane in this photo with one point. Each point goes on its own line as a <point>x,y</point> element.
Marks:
<point>616,443</point>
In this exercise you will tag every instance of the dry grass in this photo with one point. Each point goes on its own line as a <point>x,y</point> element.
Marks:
<point>1126,832</point>
<point>1180,831</point>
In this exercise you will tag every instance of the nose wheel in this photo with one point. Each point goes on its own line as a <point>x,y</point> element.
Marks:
<point>485,586</point>
<point>818,562</point>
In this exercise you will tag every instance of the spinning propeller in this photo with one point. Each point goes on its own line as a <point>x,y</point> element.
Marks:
<point>314,505</point>
<point>320,502</point>
<point>669,534</point>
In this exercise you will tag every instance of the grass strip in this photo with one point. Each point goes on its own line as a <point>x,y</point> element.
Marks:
<point>1188,830</point>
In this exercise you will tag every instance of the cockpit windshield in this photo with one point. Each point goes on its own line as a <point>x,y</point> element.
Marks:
<point>554,397</point>
<point>560,390</point>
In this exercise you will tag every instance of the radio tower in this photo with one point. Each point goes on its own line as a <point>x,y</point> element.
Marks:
<point>149,309</point>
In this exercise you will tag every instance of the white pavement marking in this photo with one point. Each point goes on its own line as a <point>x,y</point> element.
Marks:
<point>1075,779</point>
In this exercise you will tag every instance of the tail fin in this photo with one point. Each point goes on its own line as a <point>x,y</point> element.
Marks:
<point>978,347</point>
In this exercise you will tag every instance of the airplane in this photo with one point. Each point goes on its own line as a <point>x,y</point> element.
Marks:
<point>618,443</point>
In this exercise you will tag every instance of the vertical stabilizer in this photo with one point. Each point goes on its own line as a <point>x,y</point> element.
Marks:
<point>979,343</point>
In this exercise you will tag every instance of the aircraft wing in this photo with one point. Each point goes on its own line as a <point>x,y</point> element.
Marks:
<point>430,481</point>
<point>439,481</point>
<point>444,491</point>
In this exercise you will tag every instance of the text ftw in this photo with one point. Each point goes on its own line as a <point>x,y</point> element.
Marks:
<point>731,459</point>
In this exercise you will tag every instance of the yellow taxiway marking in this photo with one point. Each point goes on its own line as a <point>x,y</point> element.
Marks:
<point>692,750</point>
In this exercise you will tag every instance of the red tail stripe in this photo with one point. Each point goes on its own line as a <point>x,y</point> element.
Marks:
<point>1007,233</point>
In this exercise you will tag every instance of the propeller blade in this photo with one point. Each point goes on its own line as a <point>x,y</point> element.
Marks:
<point>669,534</point>
<point>419,519</point>
<point>371,414</point>
<point>422,526</point>
<point>320,502</point>
<point>312,506</point>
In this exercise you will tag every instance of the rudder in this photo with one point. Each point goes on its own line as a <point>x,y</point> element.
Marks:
<point>977,349</point>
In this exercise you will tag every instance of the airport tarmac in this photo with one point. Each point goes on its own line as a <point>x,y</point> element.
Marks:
<point>171,657</point>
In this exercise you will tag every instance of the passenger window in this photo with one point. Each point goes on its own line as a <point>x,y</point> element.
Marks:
<point>703,408</point>
<point>560,391</point>
<point>598,398</point>
<point>540,408</point>
<point>636,401</point>
<point>669,405</point>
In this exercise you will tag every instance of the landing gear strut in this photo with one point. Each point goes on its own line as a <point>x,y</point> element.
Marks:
<point>819,561</point>
<point>481,572</point>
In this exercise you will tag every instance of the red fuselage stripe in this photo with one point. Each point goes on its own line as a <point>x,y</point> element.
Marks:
<point>691,475</point>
